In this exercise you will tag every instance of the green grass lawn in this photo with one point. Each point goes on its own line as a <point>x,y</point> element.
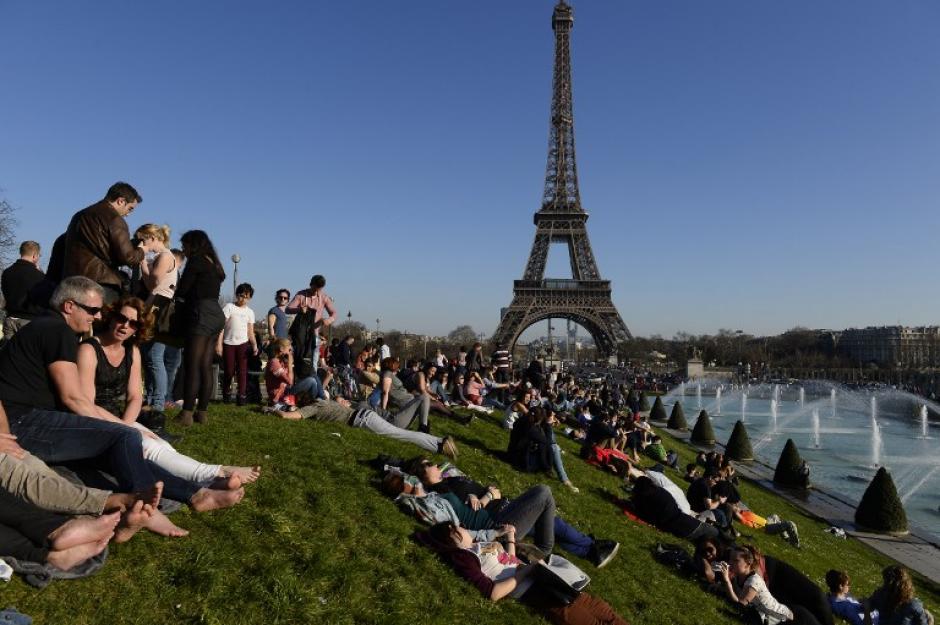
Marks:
<point>316,542</point>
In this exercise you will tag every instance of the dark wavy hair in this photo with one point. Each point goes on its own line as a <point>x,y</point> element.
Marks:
<point>898,587</point>
<point>196,243</point>
<point>144,315</point>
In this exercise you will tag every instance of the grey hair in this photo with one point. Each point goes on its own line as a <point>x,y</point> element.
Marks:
<point>74,288</point>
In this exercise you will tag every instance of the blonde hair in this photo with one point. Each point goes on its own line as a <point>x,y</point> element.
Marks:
<point>153,231</point>
<point>281,344</point>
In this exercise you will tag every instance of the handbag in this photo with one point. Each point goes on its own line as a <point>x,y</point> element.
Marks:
<point>560,579</point>
<point>168,321</point>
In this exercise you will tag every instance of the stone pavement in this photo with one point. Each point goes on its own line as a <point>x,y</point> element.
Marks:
<point>918,550</point>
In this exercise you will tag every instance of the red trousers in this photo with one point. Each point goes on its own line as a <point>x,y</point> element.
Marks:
<point>235,357</point>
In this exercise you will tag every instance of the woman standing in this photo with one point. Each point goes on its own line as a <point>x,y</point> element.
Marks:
<point>159,276</point>
<point>199,289</point>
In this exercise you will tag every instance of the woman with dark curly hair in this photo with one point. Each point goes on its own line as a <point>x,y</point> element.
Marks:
<point>110,374</point>
<point>895,600</point>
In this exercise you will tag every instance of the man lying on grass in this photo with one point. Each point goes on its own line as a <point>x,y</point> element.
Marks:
<point>339,411</point>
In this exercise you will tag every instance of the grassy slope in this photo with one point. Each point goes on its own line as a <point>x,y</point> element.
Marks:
<point>316,542</point>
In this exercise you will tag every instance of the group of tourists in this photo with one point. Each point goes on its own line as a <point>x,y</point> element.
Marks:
<point>79,339</point>
<point>121,328</point>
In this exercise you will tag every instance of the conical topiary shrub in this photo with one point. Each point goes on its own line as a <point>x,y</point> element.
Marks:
<point>788,472</point>
<point>739,444</point>
<point>644,403</point>
<point>703,433</point>
<point>658,413</point>
<point>677,418</point>
<point>880,509</point>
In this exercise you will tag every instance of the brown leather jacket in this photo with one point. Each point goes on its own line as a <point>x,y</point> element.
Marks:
<point>97,242</point>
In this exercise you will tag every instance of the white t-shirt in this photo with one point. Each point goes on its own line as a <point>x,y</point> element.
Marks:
<point>773,611</point>
<point>664,482</point>
<point>237,319</point>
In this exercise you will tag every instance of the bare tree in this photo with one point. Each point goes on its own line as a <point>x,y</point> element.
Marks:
<point>7,232</point>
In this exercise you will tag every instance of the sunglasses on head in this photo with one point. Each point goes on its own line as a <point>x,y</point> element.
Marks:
<point>91,310</point>
<point>119,317</point>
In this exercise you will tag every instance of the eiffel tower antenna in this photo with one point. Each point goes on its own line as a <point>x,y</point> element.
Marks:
<point>585,298</point>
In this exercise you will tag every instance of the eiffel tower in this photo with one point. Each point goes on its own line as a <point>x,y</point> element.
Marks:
<point>585,298</point>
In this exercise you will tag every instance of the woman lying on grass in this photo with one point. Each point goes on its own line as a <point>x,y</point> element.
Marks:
<point>110,374</point>
<point>483,507</point>
<point>497,573</point>
<point>745,586</point>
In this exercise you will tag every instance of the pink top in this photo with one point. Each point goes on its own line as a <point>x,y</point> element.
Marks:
<point>320,302</point>
<point>277,379</point>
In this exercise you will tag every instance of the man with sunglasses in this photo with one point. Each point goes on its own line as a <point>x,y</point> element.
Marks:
<point>97,241</point>
<point>43,398</point>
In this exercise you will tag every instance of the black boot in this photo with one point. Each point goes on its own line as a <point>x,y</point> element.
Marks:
<point>426,428</point>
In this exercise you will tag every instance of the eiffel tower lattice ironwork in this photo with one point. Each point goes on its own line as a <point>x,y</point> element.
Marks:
<point>585,298</point>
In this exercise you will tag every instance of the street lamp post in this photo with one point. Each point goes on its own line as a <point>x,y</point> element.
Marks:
<point>235,259</point>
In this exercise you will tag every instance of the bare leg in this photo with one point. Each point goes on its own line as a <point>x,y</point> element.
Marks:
<point>160,524</point>
<point>223,482</point>
<point>66,559</point>
<point>207,499</point>
<point>83,530</point>
<point>246,474</point>
<point>133,520</point>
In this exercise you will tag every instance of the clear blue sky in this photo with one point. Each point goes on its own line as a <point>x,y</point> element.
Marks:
<point>749,165</point>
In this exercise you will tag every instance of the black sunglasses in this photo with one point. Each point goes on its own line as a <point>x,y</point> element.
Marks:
<point>91,310</point>
<point>120,317</point>
<point>281,297</point>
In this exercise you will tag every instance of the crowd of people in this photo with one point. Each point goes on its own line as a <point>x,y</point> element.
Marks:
<point>120,329</point>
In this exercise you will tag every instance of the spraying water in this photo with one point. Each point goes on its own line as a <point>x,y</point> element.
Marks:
<point>743,406</point>
<point>718,400</point>
<point>832,402</point>
<point>816,442</point>
<point>698,396</point>
<point>682,389</point>
<point>875,435</point>
<point>773,415</point>
<point>923,421</point>
<point>802,396</point>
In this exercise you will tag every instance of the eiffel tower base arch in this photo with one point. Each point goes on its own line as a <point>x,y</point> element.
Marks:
<point>586,303</point>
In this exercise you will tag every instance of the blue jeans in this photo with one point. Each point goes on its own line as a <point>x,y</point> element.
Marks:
<point>57,437</point>
<point>161,362</point>
<point>533,512</point>
<point>556,460</point>
<point>310,385</point>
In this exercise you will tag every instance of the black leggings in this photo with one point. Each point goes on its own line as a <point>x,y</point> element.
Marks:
<point>198,352</point>
<point>24,529</point>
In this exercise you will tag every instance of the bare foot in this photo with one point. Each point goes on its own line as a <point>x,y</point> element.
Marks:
<point>161,524</point>
<point>133,520</point>
<point>151,495</point>
<point>66,559</point>
<point>247,474</point>
<point>119,501</point>
<point>83,530</point>
<point>207,499</point>
<point>230,482</point>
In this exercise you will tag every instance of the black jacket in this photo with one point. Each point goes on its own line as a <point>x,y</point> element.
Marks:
<point>17,282</point>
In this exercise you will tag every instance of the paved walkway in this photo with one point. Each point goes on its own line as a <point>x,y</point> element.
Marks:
<point>918,550</point>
